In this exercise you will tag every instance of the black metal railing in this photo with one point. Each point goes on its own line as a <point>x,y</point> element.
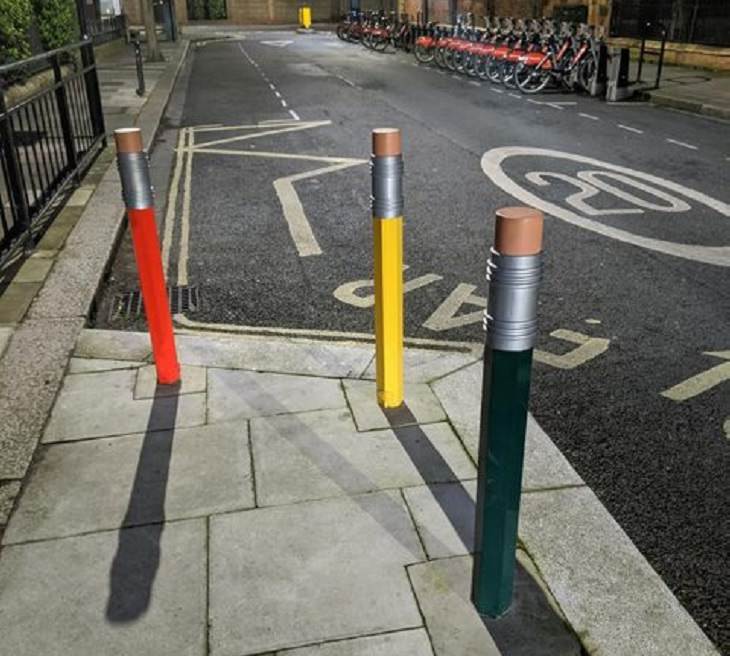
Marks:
<point>47,138</point>
<point>107,28</point>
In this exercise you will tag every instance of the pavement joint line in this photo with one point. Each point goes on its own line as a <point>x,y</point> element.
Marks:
<point>249,443</point>
<point>628,128</point>
<point>682,144</point>
<point>335,641</point>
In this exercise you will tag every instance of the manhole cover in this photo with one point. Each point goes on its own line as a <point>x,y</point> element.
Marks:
<point>129,304</point>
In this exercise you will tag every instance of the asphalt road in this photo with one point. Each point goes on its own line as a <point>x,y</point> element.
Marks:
<point>636,297</point>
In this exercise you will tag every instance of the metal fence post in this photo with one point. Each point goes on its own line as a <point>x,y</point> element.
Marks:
<point>64,115</point>
<point>387,203</point>
<point>16,184</point>
<point>93,90</point>
<point>139,63</point>
<point>137,192</point>
<point>514,272</point>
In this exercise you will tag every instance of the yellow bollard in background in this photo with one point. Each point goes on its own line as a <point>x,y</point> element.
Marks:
<point>387,171</point>
<point>305,17</point>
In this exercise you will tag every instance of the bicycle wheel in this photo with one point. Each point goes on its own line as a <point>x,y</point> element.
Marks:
<point>423,54</point>
<point>508,75</point>
<point>482,61</point>
<point>438,57</point>
<point>494,70</point>
<point>587,71</point>
<point>531,80</point>
<point>380,43</point>
<point>449,59</point>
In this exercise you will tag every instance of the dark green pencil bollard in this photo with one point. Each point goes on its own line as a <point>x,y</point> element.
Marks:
<point>514,272</point>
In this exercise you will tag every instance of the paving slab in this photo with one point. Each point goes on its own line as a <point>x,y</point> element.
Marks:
<point>27,393</point>
<point>460,394</point>
<point>246,394</point>
<point>103,484</point>
<point>444,517</point>
<point>16,299</point>
<point>404,643</point>
<point>422,406</point>
<point>113,345</point>
<point>8,491</point>
<point>320,454</point>
<point>426,365</point>
<point>95,365</point>
<point>275,354</point>
<point>33,270</point>
<point>607,590</point>
<point>6,332</point>
<point>134,592</point>
<point>529,628</point>
<point>101,404</point>
<point>312,572</point>
<point>192,380</point>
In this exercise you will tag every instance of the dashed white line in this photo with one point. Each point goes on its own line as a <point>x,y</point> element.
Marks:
<point>272,87</point>
<point>277,94</point>
<point>628,128</point>
<point>497,90</point>
<point>294,115</point>
<point>515,95</point>
<point>589,116</point>
<point>474,83</point>
<point>283,103</point>
<point>682,144</point>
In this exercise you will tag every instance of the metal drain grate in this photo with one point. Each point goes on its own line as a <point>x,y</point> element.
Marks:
<point>129,304</point>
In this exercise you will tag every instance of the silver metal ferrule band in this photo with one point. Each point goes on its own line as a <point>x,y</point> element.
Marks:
<point>387,198</point>
<point>134,170</point>
<point>511,316</point>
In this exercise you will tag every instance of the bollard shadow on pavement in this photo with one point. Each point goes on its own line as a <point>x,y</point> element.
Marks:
<point>531,627</point>
<point>137,558</point>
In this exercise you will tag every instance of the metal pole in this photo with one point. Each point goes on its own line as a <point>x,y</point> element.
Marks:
<point>514,272</point>
<point>140,64</point>
<point>661,58</point>
<point>387,208</point>
<point>137,192</point>
<point>641,52</point>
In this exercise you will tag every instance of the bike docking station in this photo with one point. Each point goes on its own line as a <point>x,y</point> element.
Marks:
<point>137,193</point>
<point>514,272</point>
<point>387,209</point>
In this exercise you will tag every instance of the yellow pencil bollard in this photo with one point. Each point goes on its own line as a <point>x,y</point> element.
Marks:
<point>387,204</point>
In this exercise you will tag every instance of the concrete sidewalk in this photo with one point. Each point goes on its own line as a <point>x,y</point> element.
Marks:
<point>268,506</point>
<point>690,89</point>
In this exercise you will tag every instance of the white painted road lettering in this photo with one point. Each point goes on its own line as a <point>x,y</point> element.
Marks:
<point>492,165</point>
<point>703,381</point>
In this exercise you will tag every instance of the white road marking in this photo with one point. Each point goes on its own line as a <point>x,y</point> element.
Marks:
<point>272,87</point>
<point>283,103</point>
<point>446,316</point>
<point>294,127</point>
<point>682,144</point>
<point>726,428</point>
<point>345,293</point>
<point>594,322</point>
<point>474,83</point>
<point>475,348</point>
<point>497,90</point>
<point>492,167</point>
<point>277,94</point>
<point>515,95</point>
<point>702,381</point>
<point>629,128</point>
<point>172,198</point>
<point>555,105</point>
<point>346,81</point>
<point>294,115</point>
<point>588,348</point>
<point>589,116</point>
<point>277,44</point>
<point>299,227</point>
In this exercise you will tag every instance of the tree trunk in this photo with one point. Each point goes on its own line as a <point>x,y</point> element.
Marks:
<point>154,54</point>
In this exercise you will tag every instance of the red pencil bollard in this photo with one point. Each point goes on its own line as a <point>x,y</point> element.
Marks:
<point>137,193</point>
